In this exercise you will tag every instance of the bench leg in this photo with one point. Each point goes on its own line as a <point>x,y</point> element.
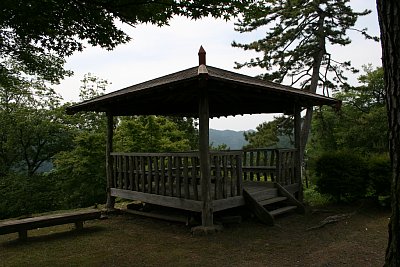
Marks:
<point>23,235</point>
<point>79,225</point>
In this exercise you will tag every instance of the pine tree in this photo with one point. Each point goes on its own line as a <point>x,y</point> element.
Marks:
<point>295,47</point>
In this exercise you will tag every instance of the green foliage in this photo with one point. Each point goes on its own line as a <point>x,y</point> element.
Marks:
<point>220,147</point>
<point>150,134</point>
<point>31,131</point>
<point>37,35</point>
<point>188,126</point>
<point>268,134</point>
<point>313,198</point>
<point>22,195</point>
<point>82,172</point>
<point>380,174</point>
<point>342,175</point>
<point>361,125</point>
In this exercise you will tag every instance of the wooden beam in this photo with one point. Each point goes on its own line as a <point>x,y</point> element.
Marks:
<point>166,201</point>
<point>204,117</point>
<point>297,144</point>
<point>109,161</point>
<point>227,203</point>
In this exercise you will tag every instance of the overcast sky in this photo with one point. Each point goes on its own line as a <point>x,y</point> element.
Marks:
<point>156,51</point>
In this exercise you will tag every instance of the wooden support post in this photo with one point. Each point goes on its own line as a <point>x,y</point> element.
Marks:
<point>109,162</point>
<point>297,144</point>
<point>204,116</point>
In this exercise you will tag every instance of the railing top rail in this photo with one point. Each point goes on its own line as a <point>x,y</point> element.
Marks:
<point>286,149</point>
<point>178,154</point>
<point>258,149</point>
<point>268,149</point>
<point>175,154</point>
<point>226,152</point>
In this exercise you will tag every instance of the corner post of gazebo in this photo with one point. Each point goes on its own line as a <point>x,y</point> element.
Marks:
<point>109,161</point>
<point>204,117</point>
<point>297,144</point>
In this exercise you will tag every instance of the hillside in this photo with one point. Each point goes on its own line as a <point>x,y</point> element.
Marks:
<point>233,139</point>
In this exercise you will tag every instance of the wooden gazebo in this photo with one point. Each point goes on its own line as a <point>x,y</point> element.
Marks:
<point>206,181</point>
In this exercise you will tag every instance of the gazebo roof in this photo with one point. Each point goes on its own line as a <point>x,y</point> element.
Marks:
<point>229,93</point>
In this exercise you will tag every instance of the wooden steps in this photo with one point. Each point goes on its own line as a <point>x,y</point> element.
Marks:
<point>282,210</point>
<point>271,200</point>
<point>268,202</point>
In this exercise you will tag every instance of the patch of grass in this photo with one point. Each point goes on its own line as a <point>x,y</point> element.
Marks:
<point>313,198</point>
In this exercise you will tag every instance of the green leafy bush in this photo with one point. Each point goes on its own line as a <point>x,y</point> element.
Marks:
<point>379,172</point>
<point>23,195</point>
<point>342,175</point>
<point>313,198</point>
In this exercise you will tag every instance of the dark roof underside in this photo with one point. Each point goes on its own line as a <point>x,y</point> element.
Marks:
<point>178,94</point>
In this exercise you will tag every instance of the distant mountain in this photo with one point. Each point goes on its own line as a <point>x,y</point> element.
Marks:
<point>233,139</point>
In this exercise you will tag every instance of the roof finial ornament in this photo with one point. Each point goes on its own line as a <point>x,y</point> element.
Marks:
<point>202,56</point>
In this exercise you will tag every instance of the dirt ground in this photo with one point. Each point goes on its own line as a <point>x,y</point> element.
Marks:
<point>130,240</point>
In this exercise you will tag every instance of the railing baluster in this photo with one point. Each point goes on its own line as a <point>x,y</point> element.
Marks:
<point>251,165</point>
<point>226,176</point>
<point>149,175</point>
<point>162,169</point>
<point>178,176</point>
<point>194,178</point>
<point>186,177</point>
<point>170,180</point>
<point>258,164</point>
<point>218,184</point>
<point>156,176</point>
<point>239,175</point>
<point>126,173</point>
<point>143,173</point>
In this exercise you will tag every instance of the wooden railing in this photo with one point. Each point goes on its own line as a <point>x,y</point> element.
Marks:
<point>269,165</point>
<point>226,173</point>
<point>177,174</point>
<point>286,168</point>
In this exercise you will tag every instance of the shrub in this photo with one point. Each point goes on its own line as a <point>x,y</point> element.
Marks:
<point>314,198</point>
<point>379,172</point>
<point>342,175</point>
<point>21,195</point>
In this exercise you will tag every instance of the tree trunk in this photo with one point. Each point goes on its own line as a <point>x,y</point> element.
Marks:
<point>389,20</point>
<point>305,130</point>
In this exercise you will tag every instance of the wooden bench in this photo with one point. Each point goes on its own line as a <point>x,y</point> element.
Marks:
<point>23,225</point>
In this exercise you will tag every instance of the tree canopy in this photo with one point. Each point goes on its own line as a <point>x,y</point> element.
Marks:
<point>37,35</point>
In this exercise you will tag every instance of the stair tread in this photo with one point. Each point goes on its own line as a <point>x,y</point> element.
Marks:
<point>264,194</point>
<point>282,210</point>
<point>271,200</point>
